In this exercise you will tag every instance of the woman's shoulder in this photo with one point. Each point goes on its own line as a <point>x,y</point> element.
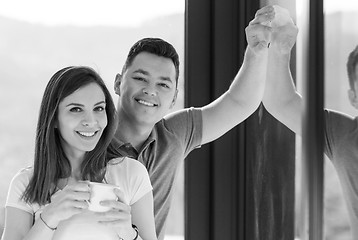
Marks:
<point>125,164</point>
<point>130,175</point>
<point>16,190</point>
<point>23,175</point>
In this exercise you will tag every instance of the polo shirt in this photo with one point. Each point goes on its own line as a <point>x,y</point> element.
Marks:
<point>341,147</point>
<point>170,141</point>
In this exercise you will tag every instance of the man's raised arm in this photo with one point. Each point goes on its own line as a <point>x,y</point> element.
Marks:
<point>246,92</point>
<point>281,98</point>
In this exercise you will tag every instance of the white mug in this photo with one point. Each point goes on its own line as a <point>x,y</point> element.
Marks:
<point>101,192</point>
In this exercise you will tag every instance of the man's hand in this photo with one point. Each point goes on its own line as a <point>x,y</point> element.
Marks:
<point>284,36</point>
<point>258,33</point>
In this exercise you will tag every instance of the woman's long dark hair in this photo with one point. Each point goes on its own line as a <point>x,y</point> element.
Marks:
<point>51,163</point>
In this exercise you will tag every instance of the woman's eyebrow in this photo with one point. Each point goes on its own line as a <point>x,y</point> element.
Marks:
<point>81,105</point>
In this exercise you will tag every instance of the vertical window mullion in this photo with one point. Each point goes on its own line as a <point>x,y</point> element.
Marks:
<point>313,121</point>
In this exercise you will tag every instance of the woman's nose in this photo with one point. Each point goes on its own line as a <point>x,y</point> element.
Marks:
<point>89,120</point>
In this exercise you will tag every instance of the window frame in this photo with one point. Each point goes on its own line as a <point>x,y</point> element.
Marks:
<point>221,196</point>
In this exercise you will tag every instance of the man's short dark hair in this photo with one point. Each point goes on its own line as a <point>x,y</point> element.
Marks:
<point>351,67</point>
<point>155,46</point>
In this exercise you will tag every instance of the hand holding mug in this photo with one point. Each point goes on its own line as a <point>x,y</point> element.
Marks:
<point>101,192</point>
<point>71,200</point>
<point>118,215</point>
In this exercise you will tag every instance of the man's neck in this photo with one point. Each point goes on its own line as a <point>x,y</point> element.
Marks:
<point>133,133</point>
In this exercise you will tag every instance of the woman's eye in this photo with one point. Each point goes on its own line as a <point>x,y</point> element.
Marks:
<point>100,109</point>
<point>75,109</point>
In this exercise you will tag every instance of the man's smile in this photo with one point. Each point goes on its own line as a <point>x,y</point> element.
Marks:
<point>143,102</point>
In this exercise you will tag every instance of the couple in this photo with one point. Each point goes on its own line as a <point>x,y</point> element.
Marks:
<point>80,138</point>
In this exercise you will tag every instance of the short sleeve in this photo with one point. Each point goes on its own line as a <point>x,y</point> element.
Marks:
<point>17,187</point>
<point>337,127</point>
<point>139,180</point>
<point>187,125</point>
<point>130,176</point>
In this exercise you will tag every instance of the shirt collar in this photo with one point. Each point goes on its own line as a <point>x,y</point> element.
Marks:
<point>125,145</point>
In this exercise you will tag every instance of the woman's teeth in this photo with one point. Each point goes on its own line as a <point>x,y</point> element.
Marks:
<point>87,134</point>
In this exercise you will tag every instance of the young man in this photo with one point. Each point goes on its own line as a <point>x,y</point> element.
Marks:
<point>147,90</point>
<point>341,131</point>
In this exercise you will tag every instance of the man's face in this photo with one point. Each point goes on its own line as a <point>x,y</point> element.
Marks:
<point>353,93</point>
<point>147,89</point>
<point>356,79</point>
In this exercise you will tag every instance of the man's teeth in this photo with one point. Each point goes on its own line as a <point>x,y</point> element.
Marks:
<point>87,134</point>
<point>146,103</point>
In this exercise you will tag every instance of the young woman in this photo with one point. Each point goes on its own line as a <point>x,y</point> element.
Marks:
<point>50,199</point>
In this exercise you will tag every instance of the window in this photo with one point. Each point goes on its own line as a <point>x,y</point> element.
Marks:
<point>40,37</point>
<point>339,42</point>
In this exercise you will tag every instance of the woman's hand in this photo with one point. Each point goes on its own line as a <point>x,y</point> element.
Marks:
<point>73,199</point>
<point>119,217</point>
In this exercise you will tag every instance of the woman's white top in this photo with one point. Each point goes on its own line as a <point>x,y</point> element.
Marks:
<point>128,174</point>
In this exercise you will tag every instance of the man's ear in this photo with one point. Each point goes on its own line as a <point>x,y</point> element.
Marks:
<point>353,98</point>
<point>174,98</point>
<point>117,84</point>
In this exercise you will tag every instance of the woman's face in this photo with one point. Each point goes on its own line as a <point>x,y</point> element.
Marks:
<point>81,120</point>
